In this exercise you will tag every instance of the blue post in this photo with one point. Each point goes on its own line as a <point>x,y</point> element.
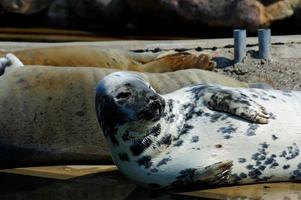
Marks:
<point>264,42</point>
<point>240,44</point>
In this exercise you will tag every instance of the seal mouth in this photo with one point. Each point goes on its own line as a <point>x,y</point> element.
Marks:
<point>153,111</point>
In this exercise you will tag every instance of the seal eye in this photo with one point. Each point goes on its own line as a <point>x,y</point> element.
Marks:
<point>123,95</point>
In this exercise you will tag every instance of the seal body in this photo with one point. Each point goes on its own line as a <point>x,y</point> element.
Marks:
<point>206,135</point>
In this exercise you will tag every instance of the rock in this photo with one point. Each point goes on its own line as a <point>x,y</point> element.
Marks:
<point>48,113</point>
<point>108,11</point>
<point>24,6</point>
<point>250,14</point>
<point>60,15</point>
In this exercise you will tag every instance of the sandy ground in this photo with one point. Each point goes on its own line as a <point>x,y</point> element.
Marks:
<point>283,73</point>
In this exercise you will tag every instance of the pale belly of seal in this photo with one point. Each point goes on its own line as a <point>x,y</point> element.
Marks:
<point>259,152</point>
<point>268,152</point>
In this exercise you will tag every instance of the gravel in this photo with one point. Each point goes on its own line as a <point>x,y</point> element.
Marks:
<point>284,73</point>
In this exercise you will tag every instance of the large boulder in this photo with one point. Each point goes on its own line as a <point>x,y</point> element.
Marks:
<point>48,114</point>
<point>24,6</point>
<point>250,14</point>
<point>107,10</point>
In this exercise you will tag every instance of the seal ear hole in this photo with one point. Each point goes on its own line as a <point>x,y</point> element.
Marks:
<point>123,95</point>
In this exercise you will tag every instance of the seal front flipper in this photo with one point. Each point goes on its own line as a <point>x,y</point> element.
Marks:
<point>215,174</point>
<point>236,103</point>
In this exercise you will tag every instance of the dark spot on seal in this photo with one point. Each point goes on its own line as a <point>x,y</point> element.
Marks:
<point>285,167</point>
<point>264,145</point>
<point>186,174</point>
<point>243,175</point>
<point>49,98</point>
<point>252,129</point>
<point>166,140</point>
<point>154,185</point>
<point>195,139</point>
<point>272,115</point>
<point>296,174</point>
<point>139,146</point>
<point>145,161</point>
<point>235,178</point>
<point>170,103</point>
<point>218,146</point>
<point>163,161</point>
<point>178,143</point>
<point>274,165</point>
<point>155,131</point>
<point>124,157</point>
<point>191,111</point>
<point>253,174</point>
<point>186,128</point>
<point>264,98</point>
<point>227,131</point>
<point>291,152</point>
<point>269,161</point>
<point>154,170</point>
<point>242,160</point>
<point>272,96</point>
<point>249,167</point>
<point>215,117</point>
<point>197,91</point>
<point>274,137</point>
<point>170,118</point>
<point>80,113</point>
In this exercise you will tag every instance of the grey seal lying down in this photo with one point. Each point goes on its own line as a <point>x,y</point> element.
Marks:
<point>199,134</point>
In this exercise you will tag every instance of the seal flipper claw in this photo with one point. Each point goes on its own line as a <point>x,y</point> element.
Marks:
<point>237,104</point>
<point>215,174</point>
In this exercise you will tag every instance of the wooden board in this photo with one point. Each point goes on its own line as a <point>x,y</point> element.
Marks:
<point>61,172</point>
<point>266,191</point>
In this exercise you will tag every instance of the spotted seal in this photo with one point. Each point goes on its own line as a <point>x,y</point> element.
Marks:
<point>9,62</point>
<point>200,134</point>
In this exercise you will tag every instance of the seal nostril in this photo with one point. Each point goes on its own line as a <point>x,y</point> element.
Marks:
<point>156,106</point>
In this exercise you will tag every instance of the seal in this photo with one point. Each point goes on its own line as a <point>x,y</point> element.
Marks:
<point>202,134</point>
<point>11,61</point>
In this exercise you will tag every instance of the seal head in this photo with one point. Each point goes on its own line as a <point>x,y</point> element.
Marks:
<point>123,97</point>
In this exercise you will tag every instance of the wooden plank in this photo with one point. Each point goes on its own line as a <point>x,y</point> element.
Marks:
<point>61,172</point>
<point>266,191</point>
